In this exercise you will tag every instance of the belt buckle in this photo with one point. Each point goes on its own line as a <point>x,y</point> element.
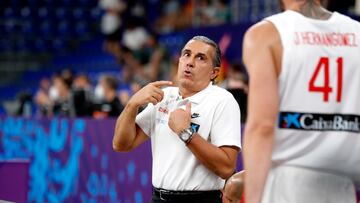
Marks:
<point>162,191</point>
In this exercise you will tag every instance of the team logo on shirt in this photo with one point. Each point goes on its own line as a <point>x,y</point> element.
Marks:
<point>319,122</point>
<point>195,127</point>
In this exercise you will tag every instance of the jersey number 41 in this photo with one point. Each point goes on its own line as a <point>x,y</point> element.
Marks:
<point>326,89</point>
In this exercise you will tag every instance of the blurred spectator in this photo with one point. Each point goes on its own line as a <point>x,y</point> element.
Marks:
<point>154,63</point>
<point>42,99</point>
<point>111,23</point>
<point>135,35</point>
<point>67,74</point>
<point>170,13</point>
<point>147,64</point>
<point>24,100</point>
<point>82,81</point>
<point>60,96</point>
<point>137,9</point>
<point>236,84</point>
<point>83,96</point>
<point>105,92</point>
<point>134,39</point>
<point>204,13</point>
<point>236,78</point>
<point>222,12</point>
<point>214,12</point>
<point>48,95</point>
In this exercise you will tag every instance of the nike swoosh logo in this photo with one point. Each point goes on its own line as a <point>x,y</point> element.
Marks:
<point>195,115</point>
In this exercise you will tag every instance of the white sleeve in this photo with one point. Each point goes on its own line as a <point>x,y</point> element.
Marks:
<point>226,126</point>
<point>145,119</point>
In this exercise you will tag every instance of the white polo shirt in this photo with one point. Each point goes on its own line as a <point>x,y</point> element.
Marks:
<point>216,115</point>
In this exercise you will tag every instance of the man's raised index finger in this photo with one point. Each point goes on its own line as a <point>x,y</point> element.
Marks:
<point>162,83</point>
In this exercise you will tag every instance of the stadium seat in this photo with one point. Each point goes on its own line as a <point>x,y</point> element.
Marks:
<point>46,28</point>
<point>9,13</point>
<point>10,26</point>
<point>96,13</point>
<point>81,29</point>
<point>25,13</point>
<point>43,13</point>
<point>60,13</point>
<point>27,28</point>
<point>41,45</point>
<point>58,45</point>
<point>78,14</point>
<point>63,29</point>
<point>6,45</point>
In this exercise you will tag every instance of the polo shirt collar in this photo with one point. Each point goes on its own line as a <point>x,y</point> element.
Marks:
<point>196,98</point>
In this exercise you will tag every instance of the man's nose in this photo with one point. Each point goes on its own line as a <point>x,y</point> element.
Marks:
<point>190,62</point>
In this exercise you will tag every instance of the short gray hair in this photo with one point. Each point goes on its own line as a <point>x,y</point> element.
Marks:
<point>206,40</point>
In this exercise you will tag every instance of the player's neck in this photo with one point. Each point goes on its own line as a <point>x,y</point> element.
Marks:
<point>312,9</point>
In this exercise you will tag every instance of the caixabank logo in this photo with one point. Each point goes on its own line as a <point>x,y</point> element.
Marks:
<point>319,122</point>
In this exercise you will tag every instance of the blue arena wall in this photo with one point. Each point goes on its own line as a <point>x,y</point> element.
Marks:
<point>71,160</point>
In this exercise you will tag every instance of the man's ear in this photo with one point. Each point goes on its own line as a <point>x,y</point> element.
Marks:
<point>215,73</point>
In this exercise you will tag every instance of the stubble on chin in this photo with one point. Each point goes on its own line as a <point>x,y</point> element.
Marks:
<point>184,82</point>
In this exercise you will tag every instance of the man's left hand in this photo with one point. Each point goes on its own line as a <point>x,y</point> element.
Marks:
<point>179,119</point>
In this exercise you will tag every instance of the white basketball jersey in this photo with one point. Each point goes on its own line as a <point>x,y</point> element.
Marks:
<point>319,119</point>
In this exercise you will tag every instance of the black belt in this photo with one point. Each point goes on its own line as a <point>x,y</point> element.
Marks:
<point>170,195</point>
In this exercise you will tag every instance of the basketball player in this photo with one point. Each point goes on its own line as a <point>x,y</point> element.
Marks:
<point>302,138</point>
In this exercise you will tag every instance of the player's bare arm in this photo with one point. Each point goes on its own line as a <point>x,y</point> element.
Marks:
<point>261,57</point>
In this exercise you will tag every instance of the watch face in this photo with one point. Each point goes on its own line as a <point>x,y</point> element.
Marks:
<point>185,136</point>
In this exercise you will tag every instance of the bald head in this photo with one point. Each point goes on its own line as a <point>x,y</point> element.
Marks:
<point>234,187</point>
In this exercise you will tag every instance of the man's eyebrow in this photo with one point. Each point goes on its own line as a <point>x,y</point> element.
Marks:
<point>189,51</point>
<point>186,51</point>
<point>201,54</point>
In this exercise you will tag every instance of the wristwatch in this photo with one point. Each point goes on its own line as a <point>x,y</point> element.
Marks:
<point>186,135</point>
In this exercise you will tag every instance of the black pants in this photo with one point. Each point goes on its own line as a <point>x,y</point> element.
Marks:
<point>189,199</point>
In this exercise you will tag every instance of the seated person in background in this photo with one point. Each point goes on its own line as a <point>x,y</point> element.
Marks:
<point>60,97</point>
<point>82,81</point>
<point>147,64</point>
<point>236,84</point>
<point>109,103</point>
<point>170,13</point>
<point>83,96</point>
<point>25,102</point>
<point>41,97</point>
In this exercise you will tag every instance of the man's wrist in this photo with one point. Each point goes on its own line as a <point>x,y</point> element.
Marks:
<point>132,105</point>
<point>186,135</point>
